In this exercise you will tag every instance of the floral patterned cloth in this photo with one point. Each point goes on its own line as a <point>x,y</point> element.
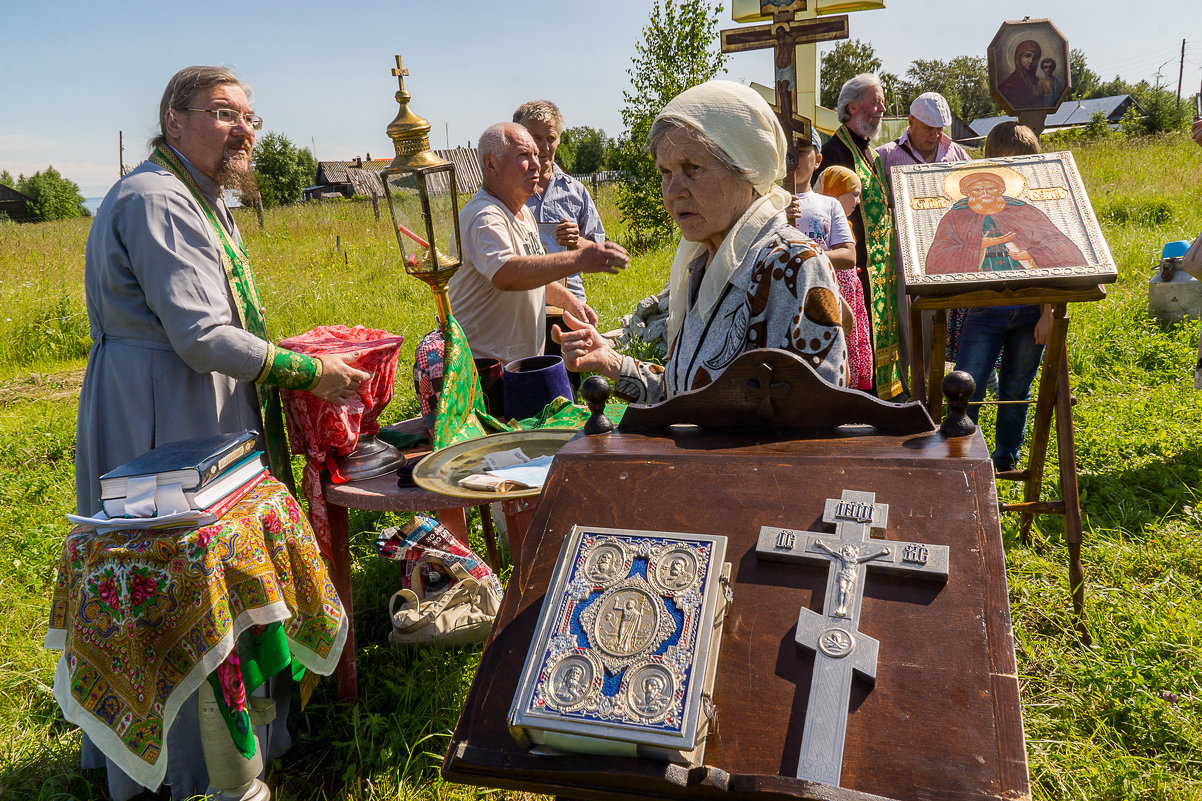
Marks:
<point>143,616</point>
<point>859,347</point>
<point>317,426</point>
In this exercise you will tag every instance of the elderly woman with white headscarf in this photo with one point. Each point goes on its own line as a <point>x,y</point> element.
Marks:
<point>742,277</point>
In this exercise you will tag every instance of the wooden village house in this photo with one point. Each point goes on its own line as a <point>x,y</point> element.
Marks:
<point>361,177</point>
<point>1071,114</point>
<point>15,205</point>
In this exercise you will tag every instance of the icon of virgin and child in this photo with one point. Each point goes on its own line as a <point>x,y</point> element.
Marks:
<point>987,230</point>
<point>1035,82</point>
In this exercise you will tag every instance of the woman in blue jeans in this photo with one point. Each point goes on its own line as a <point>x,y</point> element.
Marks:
<point>1018,333</point>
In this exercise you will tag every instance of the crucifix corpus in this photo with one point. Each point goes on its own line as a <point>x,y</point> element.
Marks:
<point>839,647</point>
<point>784,34</point>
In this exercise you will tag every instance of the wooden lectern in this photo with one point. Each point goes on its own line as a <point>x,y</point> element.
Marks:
<point>941,721</point>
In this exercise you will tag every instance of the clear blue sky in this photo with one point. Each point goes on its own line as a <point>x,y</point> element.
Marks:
<point>74,73</point>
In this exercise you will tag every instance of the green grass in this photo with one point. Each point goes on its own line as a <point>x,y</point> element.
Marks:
<point>1119,719</point>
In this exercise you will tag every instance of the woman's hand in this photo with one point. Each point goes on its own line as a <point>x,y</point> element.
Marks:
<point>585,350</point>
<point>339,380</point>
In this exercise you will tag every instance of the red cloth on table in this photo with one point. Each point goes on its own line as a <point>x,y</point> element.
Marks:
<point>316,426</point>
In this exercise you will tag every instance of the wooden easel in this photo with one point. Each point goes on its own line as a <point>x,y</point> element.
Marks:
<point>1054,394</point>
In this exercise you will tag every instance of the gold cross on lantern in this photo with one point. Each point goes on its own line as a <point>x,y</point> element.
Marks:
<point>400,73</point>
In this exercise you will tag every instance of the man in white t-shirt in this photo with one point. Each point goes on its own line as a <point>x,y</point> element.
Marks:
<point>500,294</point>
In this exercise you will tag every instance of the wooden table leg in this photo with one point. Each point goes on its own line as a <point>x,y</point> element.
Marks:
<point>454,521</point>
<point>340,574</point>
<point>518,514</point>
<point>1066,445</point>
<point>935,368</point>
<point>490,536</point>
<point>918,365</point>
<point>1054,354</point>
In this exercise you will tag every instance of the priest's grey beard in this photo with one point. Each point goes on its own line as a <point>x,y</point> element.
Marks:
<point>866,129</point>
<point>241,181</point>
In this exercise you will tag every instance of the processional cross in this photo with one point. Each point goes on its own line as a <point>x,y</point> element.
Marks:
<point>839,647</point>
<point>784,34</point>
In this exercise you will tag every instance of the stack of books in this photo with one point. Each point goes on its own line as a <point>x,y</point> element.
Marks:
<point>208,474</point>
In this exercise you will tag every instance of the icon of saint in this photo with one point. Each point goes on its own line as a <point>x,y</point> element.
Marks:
<point>987,231</point>
<point>653,698</point>
<point>676,574</point>
<point>571,684</point>
<point>605,565</point>
<point>1050,86</point>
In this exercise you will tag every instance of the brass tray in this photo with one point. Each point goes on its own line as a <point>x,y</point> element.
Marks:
<point>441,470</point>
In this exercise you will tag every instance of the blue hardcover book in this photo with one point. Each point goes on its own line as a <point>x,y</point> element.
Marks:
<point>191,463</point>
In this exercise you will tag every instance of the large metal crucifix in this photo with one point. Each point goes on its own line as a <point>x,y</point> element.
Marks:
<point>784,34</point>
<point>839,647</point>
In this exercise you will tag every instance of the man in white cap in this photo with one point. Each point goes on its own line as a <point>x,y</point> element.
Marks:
<point>924,141</point>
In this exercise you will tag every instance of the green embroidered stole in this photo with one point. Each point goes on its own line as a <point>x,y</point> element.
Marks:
<point>461,414</point>
<point>882,272</point>
<point>282,367</point>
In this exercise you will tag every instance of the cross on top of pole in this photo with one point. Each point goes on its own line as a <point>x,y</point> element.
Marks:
<point>400,73</point>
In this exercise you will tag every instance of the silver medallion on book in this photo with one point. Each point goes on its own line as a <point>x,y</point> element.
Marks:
<point>622,661</point>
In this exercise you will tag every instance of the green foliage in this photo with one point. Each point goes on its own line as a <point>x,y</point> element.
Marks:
<point>844,61</point>
<point>1124,210</point>
<point>678,50</point>
<point>1117,86</point>
<point>584,150</point>
<point>1098,127</point>
<point>55,329</point>
<point>7,179</point>
<point>963,81</point>
<point>1085,80</point>
<point>52,196</point>
<point>282,169</point>
<point>1162,112</point>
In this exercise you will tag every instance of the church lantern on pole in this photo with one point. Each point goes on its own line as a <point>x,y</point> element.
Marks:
<point>423,201</point>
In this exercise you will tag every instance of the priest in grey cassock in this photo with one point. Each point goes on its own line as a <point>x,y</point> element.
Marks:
<point>179,343</point>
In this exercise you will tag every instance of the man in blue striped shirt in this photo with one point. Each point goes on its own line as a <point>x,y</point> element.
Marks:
<point>561,205</point>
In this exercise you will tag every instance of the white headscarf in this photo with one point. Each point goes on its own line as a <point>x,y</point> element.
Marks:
<point>740,122</point>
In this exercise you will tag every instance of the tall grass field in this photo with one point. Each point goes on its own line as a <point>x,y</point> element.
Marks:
<point>1118,719</point>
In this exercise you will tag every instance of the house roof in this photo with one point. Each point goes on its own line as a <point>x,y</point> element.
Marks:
<point>364,176</point>
<point>1071,113</point>
<point>15,205</point>
<point>334,172</point>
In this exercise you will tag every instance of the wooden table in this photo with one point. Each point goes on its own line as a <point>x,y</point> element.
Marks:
<point>381,494</point>
<point>384,494</point>
<point>943,720</point>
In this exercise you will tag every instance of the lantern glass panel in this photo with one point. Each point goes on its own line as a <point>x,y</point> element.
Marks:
<point>423,209</point>
<point>443,209</point>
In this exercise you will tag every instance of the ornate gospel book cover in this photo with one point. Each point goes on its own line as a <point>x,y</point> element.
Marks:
<point>623,659</point>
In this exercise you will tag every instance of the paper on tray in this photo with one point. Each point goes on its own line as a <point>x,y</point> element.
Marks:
<point>499,459</point>
<point>533,473</point>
